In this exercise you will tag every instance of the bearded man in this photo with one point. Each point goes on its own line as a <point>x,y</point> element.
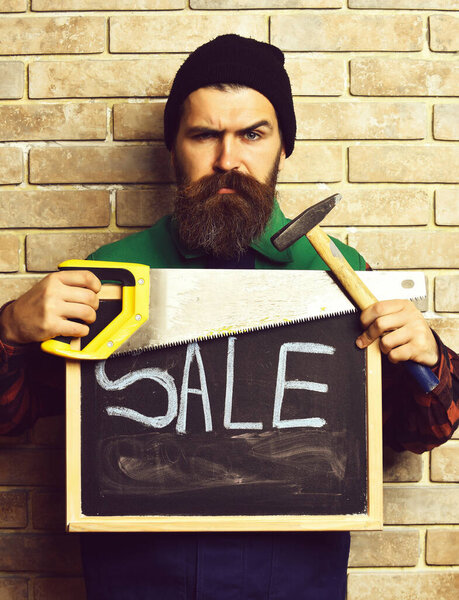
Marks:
<point>229,125</point>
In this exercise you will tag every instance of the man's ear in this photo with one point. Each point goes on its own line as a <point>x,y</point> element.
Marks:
<point>281,158</point>
<point>172,158</point>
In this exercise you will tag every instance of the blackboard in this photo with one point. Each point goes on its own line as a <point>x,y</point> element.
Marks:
<point>272,429</point>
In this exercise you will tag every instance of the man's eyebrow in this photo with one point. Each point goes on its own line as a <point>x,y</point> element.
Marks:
<point>262,123</point>
<point>200,129</point>
<point>197,129</point>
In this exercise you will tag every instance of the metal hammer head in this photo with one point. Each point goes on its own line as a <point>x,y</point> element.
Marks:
<point>304,222</point>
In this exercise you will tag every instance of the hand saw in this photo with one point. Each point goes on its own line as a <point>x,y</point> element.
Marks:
<point>163,307</point>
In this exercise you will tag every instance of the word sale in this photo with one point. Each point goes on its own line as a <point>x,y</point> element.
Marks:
<point>177,406</point>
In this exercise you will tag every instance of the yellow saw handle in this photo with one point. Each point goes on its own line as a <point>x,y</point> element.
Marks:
<point>135,280</point>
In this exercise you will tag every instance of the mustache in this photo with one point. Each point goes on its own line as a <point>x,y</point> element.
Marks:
<point>208,186</point>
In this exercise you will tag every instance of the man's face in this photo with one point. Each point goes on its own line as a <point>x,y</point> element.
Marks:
<point>227,130</point>
<point>226,156</point>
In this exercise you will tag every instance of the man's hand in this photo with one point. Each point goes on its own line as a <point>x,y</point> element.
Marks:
<point>404,334</point>
<point>44,311</point>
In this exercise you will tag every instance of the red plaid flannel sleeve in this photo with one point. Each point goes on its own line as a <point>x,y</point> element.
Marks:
<point>414,420</point>
<point>31,386</point>
<point>17,406</point>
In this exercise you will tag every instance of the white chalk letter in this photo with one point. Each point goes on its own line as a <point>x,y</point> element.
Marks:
<point>229,393</point>
<point>192,352</point>
<point>295,384</point>
<point>158,375</point>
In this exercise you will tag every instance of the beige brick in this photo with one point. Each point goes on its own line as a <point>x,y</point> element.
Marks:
<point>48,511</point>
<point>369,206</point>
<point>388,548</point>
<point>442,547</point>
<point>138,121</point>
<point>404,164</point>
<point>90,164</point>
<point>294,199</point>
<point>70,588</point>
<point>402,466</point>
<point>43,5</point>
<point>102,78</point>
<point>447,293</point>
<point>405,249</point>
<point>8,441</point>
<point>444,33</point>
<point>11,80</point>
<point>444,463</point>
<point>238,4</point>
<point>13,510</point>
<point>9,253</point>
<point>55,208</point>
<point>167,33</point>
<point>142,208</point>
<point>446,122</point>
<point>26,466</point>
<point>55,553</point>
<point>337,31</point>
<point>13,6</point>
<point>53,122</point>
<point>49,431</point>
<point>315,76</point>
<point>413,505</point>
<point>45,251</point>
<point>10,165</point>
<point>13,588</point>
<point>447,329</point>
<point>403,77</point>
<point>420,4</point>
<point>313,163</point>
<point>360,120</point>
<point>13,287</point>
<point>419,585</point>
<point>52,35</point>
<point>447,207</point>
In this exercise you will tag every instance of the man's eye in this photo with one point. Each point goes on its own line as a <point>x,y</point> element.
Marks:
<point>204,136</point>
<point>252,135</point>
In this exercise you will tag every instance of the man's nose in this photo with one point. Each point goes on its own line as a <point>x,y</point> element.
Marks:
<point>227,156</point>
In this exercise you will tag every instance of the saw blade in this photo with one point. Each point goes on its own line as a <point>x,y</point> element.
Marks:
<point>188,305</point>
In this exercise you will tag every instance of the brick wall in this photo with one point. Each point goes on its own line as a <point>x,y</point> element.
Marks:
<point>82,88</point>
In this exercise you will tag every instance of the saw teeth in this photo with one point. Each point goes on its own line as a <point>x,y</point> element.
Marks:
<point>227,333</point>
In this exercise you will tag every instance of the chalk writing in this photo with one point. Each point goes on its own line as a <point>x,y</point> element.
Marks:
<point>180,410</point>
<point>158,375</point>
<point>229,393</point>
<point>295,384</point>
<point>192,352</point>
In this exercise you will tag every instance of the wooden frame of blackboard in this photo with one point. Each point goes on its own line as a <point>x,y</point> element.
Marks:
<point>79,522</point>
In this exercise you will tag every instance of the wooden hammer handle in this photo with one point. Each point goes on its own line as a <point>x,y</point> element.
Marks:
<point>343,271</point>
<point>361,295</point>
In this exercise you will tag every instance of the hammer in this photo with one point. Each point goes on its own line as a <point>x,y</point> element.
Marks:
<point>307,224</point>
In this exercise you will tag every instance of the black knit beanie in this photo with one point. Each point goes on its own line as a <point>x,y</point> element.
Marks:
<point>234,59</point>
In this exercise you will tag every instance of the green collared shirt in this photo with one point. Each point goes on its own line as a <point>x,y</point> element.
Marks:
<point>160,247</point>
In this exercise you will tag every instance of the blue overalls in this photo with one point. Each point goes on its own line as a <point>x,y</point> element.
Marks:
<point>216,566</point>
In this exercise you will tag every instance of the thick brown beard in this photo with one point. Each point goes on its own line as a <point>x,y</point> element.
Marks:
<point>223,225</point>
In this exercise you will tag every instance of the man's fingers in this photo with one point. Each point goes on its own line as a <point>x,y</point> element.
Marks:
<point>81,295</point>
<point>364,339</point>
<point>380,309</point>
<point>72,329</point>
<point>380,327</point>
<point>83,312</point>
<point>82,279</point>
